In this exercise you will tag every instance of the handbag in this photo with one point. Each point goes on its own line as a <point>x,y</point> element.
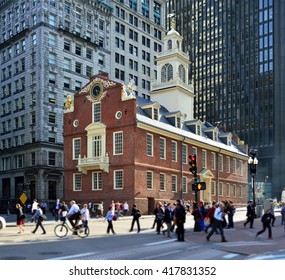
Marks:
<point>23,217</point>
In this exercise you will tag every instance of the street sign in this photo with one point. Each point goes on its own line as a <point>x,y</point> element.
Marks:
<point>23,198</point>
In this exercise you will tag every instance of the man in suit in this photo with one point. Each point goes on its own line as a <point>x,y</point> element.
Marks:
<point>180,217</point>
<point>168,217</point>
<point>250,214</point>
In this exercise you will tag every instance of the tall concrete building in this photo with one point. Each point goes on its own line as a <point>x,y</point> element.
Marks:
<point>138,28</point>
<point>48,49</point>
<point>237,54</point>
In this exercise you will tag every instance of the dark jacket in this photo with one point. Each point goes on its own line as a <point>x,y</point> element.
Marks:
<point>168,215</point>
<point>136,212</point>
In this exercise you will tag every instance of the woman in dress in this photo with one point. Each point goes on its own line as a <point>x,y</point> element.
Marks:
<point>20,218</point>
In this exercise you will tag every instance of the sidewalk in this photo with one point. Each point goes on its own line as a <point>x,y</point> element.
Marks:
<point>242,240</point>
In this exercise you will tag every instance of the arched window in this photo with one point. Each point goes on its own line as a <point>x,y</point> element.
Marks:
<point>178,44</point>
<point>181,71</point>
<point>169,45</point>
<point>166,73</point>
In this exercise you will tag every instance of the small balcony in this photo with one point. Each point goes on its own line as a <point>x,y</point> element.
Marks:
<point>93,163</point>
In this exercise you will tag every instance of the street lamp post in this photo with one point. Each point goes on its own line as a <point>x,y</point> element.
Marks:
<point>252,161</point>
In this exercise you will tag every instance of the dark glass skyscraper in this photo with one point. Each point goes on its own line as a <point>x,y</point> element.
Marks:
<point>237,51</point>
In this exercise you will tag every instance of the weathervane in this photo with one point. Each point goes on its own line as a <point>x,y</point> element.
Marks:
<point>172,17</point>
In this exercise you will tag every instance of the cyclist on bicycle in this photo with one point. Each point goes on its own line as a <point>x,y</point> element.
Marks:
<point>73,215</point>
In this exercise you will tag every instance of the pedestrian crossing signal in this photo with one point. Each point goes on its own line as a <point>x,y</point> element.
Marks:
<point>193,164</point>
<point>199,186</point>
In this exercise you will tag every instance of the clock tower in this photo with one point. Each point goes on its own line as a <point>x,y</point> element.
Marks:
<point>172,87</point>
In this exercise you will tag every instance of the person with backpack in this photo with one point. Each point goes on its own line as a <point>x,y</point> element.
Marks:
<point>266,219</point>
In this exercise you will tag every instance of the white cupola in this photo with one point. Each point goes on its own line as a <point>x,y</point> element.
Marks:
<point>172,88</point>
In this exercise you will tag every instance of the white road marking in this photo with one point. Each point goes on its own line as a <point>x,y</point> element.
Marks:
<point>230,256</point>
<point>73,256</point>
<point>160,242</point>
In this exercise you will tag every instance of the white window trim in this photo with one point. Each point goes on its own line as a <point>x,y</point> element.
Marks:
<point>164,177</point>
<point>174,176</point>
<point>204,160</point>
<point>114,183</point>
<point>73,183</point>
<point>73,148</point>
<point>148,171</point>
<point>93,187</point>
<point>164,148</point>
<point>174,142</point>
<point>151,135</point>
<point>184,180</point>
<point>228,165</point>
<point>114,142</point>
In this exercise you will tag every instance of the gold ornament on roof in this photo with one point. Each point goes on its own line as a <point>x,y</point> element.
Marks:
<point>172,17</point>
<point>69,104</point>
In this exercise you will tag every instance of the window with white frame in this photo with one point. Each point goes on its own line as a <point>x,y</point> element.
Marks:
<point>184,184</point>
<point>174,183</point>
<point>240,167</point>
<point>118,179</point>
<point>162,182</point>
<point>228,190</point>
<point>213,188</point>
<point>240,191</point>
<point>162,148</point>
<point>234,190</point>
<point>173,150</point>
<point>149,180</point>
<point>204,158</point>
<point>96,181</point>
<point>97,146</point>
<point>77,182</point>
<point>213,161</point>
<point>118,143</point>
<point>220,163</point>
<point>228,164</point>
<point>149,144</point>
<point>234,166</point>
<point>97,112</point>
<point>184,154</point>
<point>220,189</point>
<point>194,151</point>
<point>76,148</point>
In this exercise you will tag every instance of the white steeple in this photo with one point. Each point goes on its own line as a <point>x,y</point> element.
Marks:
<point>172,88</point>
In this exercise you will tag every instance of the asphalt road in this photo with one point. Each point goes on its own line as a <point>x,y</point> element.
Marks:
<point>146,245</point>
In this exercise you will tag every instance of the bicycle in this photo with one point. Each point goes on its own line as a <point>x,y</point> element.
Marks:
<point>62,229</point>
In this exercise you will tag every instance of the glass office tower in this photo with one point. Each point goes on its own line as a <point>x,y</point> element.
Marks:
<point>236,49</point>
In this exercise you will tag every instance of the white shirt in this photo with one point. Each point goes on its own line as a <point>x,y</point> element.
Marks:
<point>219,214</point>
<point>85,214</point>
<point>126,206</point>
<point>73,209</point>
<point>34,206</point>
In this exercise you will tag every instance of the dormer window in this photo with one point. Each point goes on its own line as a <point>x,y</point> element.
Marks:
<point>215,136</point>
<point>152,110</point>
<point>226,138</point>
<point>198,129</point>
<point>174,119</point>
<point>155,114</point>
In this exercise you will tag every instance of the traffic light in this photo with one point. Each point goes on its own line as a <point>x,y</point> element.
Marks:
<point>199,186</point>
<point>193,164</point>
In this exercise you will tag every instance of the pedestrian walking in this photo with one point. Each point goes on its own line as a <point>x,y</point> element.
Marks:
<point>136,218</point>
<point>100,209</point>
<point>38,217</point>
<point>283,216</point>
<point>272,213</point>
<point>210,217</point>
<point>20,218</point>
<point>198,217</point>
<point>266,220</point>
<point>44,206</point>
<point>218,223</point>
<point>180,216</point>
<point>109,217</point>
<point>56,210</point>
<point>250,213</point>
<point>155,212</point>
<point>34,209</point>
<point>230,210</point>
<point>168,218</point>
<point>126,208</point>
<point>159,218</point>
<point>85,216</point>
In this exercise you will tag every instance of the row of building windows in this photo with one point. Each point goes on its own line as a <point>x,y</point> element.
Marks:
<point>224,189</point>
<point>22,160</point>
<point>230,165</point>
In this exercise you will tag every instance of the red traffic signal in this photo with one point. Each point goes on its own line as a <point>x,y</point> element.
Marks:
<point>193,164</point>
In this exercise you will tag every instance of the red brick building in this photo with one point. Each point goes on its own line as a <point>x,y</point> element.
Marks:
<point>121,147</point>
